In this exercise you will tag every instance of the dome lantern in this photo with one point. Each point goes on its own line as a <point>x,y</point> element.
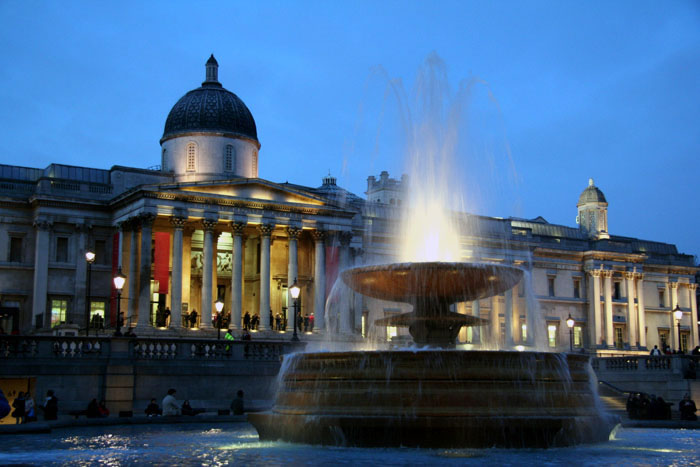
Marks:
<point>593,212</point>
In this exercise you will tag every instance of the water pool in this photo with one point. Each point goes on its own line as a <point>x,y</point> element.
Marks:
<point>194,444</point>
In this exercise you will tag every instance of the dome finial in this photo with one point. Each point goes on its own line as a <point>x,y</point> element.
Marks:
<point>590,182</point>
<point>212,75</point>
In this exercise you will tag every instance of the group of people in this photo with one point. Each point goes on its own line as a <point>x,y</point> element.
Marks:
<point>656,351</point>
<point>97,409</point>
<point>170,406</point>
<point>162,317</point>
<point>189,320</point>
<point>643,406</point>
<point>24,409</point>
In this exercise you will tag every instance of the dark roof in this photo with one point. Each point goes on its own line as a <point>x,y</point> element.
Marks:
<point>212,60</point>
<point>591,194</point>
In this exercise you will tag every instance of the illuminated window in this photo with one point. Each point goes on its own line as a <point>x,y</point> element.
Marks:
<point>552,335</point>
<point>619,342</point>
<point>663,338</point>
<point>228,158</point>
<point>191,157</point>
<point>578,337</point>
<point>58,312</point>
<point>364,324</point>
<point>523,332</point>
<point>391,331</point>
<point>97,314</point>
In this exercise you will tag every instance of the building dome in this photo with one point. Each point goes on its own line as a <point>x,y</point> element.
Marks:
<point>591,194</point>
<point>211,109</point>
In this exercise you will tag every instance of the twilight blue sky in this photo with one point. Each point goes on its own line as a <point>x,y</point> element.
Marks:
<point>609,90</point>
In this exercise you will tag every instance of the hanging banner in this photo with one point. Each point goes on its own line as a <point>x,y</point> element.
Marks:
<point>161,261</point>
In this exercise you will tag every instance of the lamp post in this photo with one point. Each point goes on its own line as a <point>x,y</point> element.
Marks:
<point>294,290</point>
<point>570,324</point>
<point>119,281</point>
<point>219,305</point>
<point>678,314</point>
<point>90,258</point>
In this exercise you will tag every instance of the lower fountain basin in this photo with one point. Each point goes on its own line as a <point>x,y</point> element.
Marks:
<point>445,399</point>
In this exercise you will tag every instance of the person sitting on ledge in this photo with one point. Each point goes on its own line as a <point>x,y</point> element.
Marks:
<point>152,410</point>
<point>102,409</point>
<point>687,408</point>
<point>188,410</point>
<point>237,407</point>
<point>170,405</point>
<point>93,409</point>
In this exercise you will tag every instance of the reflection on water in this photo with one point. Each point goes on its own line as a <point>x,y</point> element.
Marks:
<point>239,444</point>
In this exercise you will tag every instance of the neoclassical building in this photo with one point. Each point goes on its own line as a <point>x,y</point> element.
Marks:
<point>204,227</point>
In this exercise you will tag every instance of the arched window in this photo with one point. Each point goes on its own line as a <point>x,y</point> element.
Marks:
<point>255,164</point>
<point>228,158</point>
<point>191,157</point>
<point>163,168</point>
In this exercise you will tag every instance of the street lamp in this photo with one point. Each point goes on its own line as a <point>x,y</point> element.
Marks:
<point>119,281</point>
<point>219,305</point>
<point>570,324</point>
<point>90,258</point>
<point>678,314</point>
<point>294,291</point>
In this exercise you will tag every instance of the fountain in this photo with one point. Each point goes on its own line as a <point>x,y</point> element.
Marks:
<point>433,395</point>
<point>435,398</point>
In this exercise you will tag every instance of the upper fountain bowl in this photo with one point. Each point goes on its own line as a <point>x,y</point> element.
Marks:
<point>440,281</point>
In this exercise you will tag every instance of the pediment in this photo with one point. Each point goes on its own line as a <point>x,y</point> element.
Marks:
<point>251,189</point>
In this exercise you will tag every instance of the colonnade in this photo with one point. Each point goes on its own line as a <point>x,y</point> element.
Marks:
<point>602,327</point>
<point>140,232</point>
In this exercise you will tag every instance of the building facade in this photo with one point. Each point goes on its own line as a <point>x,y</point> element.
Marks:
<point>204,227</point>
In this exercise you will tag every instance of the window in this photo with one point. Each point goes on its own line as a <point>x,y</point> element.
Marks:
<point>255,164</point>
<point>16,249</point>
<point>578,337</point>
<point>684,342</point>
<point>391,331</point>
<point>97,314</point>
<point>662,301</point>
<point>550,285</point>
<point>577,288</point>
<point>616,292</point>
<point>101,252</point>
<point>228,158</point>
<point>162,161</point>
<point>58,312</point>
<point>663,338</point>
<point>365,317</point>
<point>191,157</point>
<point>61,249</point>
<point>523,332</point>
<point>619,343</point>
<point>552,335</point>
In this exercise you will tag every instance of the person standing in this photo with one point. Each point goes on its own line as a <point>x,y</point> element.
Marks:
<point>687,408</point>
<point>18,405</point>
<point>29,410</point>
<point>655,352</point>
<point>237,407</point>
<point>193,319</point>
<point>170,405</point>
<point>50,406</point>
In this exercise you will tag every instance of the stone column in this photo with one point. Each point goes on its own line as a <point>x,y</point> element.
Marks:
<point>237,229</point>
<point>41,271</point>
<point>133,274</point>
<point>265,233</point>
<point>609,331</point>
<point>594,308</point>
<point>476,330</point>
<point>319,281</point>
<point>641,312</point>
<point>346,320</point>
<point>187,268</point>
<point>178,224</point>
<point>292,271</point>
<point>79,305</point>
<point>675,345</point>
<point>509,318</point>
<point>144,308</point>
<point>631,314</point>
<point>214,270</point>
<point>208,226</point>
<point>692,299</point>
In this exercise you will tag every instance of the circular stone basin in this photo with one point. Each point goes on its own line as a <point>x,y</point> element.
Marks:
<point>436,399</point>
<point>446,282</point>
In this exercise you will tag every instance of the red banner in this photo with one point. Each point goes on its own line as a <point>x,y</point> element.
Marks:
<point>161,261</point>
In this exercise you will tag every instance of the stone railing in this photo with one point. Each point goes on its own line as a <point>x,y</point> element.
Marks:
<point>684,365</point>
<point>43,347</point>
